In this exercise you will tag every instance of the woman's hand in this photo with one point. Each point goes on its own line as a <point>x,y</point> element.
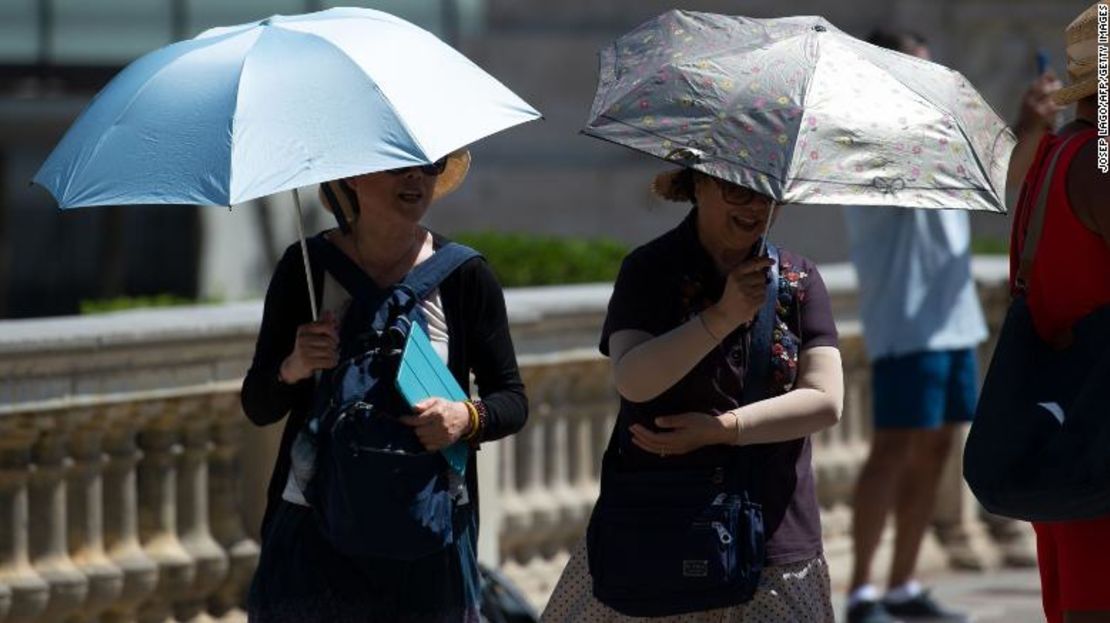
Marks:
<point>1038,109</point>
<point>438,423</point>
<point>745,292</point>
<point>686,432</point>
<point>316,348</point>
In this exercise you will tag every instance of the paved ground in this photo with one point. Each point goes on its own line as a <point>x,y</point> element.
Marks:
<point>990,597</point>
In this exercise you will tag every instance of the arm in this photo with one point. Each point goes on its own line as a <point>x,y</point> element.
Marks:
<point>814,404</point>
<point>264,397</point>
<point>1088,190</point>
<point>645,366</point>
<point>1037,116</point>
<point>493,358</point>
<point>439,423</point>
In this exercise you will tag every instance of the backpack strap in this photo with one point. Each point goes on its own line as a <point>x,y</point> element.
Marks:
<point>336,263</point>
<point>427,276</point>
<point>1036,218</point>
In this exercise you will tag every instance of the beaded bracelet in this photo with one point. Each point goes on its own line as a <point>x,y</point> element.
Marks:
<point>483,418</point>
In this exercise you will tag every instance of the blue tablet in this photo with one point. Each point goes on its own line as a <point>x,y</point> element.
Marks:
<point>423,375</point>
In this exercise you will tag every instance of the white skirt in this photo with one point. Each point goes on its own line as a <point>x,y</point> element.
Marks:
<point>793,593</point>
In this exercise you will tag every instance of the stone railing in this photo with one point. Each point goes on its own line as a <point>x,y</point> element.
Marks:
<point>121,507</point>
<point>132,488</point>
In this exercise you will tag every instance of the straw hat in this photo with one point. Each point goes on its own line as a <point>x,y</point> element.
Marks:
<point>1081,39</point>
<point>335,194</point>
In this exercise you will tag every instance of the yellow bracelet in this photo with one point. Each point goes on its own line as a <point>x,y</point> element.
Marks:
<point>474,420</point>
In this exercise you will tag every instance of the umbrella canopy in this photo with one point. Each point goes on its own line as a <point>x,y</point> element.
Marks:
<point>246,111</point>
<point>802,112</point>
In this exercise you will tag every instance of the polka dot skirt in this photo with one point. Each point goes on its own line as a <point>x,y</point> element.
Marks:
<point>796,592</point>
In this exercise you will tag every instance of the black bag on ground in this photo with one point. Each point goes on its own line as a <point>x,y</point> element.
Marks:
<point>1039,447</point>
<point>502,601</point>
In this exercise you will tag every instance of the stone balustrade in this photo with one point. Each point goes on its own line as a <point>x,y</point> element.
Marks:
<point>124,507</point>
<point>132,488</point>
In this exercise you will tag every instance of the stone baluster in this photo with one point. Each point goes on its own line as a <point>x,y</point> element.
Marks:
<point>121,514</point>
<point>225,511</point>
<point>192,510</point>
<point>47,494</point>
<point>533,453</point>
<point>517,517</point>
<point>26,592</point>
<point>595,403</point>
<point>157,479</point>
<point>514,514</point>
<point>565,509</point>
<point>85,511</point>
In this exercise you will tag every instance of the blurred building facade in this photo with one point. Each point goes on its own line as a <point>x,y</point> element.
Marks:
<point>542,177</point>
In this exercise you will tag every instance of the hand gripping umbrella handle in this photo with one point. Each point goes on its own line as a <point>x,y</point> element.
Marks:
<point>304,254</point>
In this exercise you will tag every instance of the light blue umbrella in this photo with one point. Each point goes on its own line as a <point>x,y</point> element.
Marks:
<point>247,111</point>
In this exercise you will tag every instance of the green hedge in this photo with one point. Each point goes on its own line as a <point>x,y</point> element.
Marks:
<point>517,259</point>
<point>121,303</point>
<point>987,245</point>
<point>532,260</point>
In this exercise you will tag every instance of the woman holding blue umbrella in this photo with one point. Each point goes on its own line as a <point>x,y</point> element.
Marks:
<point>378,112</point>
<point>303,575</point>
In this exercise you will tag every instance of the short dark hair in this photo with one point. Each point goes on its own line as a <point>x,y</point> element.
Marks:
<point>680,187</point>
<point>898,39</point>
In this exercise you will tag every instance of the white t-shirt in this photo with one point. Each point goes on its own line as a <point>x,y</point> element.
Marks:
<point>916,292</point>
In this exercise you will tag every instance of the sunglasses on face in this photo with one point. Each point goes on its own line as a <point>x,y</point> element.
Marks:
<point>431,170</point>
<point>739,195</point>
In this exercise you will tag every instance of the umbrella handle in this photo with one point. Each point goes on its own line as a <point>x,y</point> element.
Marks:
<point>766,230</point>
<point>304,254</point>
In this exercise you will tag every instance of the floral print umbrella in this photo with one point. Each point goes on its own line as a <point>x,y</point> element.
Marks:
<point>802,112</point>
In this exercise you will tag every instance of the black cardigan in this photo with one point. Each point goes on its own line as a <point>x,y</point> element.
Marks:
<point>479,341</point>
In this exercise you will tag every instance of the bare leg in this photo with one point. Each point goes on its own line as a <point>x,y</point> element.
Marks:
<point>916,498</point>
<point>875,497</point>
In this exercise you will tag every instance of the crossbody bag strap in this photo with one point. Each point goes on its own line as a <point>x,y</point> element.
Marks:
<point>1036,219</point>
<point>757,377</point>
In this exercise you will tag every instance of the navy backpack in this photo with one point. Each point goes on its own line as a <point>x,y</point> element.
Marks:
<point>375,490</point>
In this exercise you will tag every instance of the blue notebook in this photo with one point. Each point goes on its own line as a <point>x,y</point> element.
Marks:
<point>423,375</point>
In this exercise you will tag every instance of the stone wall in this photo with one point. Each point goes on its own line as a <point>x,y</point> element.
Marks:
<point>133,486</point>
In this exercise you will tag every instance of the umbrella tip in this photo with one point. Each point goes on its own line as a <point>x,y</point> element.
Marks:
<point>266,22</point>
<point>820,28</point>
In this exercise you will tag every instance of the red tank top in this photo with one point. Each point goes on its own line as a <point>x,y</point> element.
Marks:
<point>1070,276</point>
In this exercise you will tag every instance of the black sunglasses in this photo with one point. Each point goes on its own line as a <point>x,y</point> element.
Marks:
<point>432,170</point>
<point>737,194</point>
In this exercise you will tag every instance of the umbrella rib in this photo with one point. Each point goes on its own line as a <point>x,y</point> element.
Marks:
<point>235,120</point>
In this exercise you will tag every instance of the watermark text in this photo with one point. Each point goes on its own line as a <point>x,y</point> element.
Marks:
<point>1103,74</point>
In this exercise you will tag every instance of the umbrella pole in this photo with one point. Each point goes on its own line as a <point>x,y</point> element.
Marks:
<point>304,254</point>
<point>766,230</point>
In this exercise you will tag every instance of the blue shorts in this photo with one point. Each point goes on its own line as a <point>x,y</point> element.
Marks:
<point>924,390</point>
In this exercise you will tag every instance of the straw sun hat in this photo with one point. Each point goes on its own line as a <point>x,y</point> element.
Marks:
<point>1081,39</point>
<point>336,194</point>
